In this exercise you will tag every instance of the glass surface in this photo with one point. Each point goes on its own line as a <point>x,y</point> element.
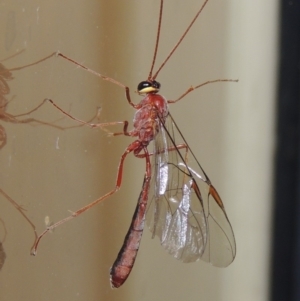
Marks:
<point>50,172</point>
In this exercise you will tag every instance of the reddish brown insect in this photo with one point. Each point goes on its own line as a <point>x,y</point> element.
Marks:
<point>182,206</point>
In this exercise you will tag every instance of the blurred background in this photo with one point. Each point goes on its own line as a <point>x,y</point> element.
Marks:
<point>231,127</point>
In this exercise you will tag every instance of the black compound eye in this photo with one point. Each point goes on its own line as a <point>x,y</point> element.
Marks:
<point>143,85</point>
<point>156,85</point>
<point>148,87</point>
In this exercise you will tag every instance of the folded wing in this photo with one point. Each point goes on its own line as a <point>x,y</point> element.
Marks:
<point>185,211</point>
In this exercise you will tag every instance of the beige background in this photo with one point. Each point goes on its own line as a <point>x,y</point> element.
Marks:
<point>229,126</point>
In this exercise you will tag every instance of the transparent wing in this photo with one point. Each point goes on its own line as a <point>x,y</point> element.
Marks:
<point>184,209</point>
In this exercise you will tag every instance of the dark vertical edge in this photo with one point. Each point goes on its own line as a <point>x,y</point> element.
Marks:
<point>285,262</point>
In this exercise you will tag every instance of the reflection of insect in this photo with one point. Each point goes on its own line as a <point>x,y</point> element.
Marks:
<point>21,210</point>
<point>184,209</point>
<point>2,252</point>
<point>5,76</point>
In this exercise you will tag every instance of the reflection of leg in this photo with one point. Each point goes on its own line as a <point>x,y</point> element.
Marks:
<point>34,63</point>
<point>13,55</point>
<point>21,210</point>
<point>14,119</point>
<point>133,146</point>
<point>31,111</point>
<point>93,125</point>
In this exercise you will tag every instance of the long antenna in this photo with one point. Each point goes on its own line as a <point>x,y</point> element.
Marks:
<point>157,39</point>
<point>180,40</point>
